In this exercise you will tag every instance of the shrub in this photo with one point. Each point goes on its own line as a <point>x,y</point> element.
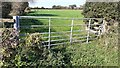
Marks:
<point>31,53</point>
<point>101,10</point>
<point>8,46</point>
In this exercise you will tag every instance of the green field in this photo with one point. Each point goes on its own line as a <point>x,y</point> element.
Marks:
<point>54,13</point>
<point>92,54</point>
<point>57,13</point>
<point>57,25</point>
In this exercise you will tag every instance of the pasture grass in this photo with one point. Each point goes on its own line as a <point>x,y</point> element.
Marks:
<point>55,22</point>
<point>57,13</point>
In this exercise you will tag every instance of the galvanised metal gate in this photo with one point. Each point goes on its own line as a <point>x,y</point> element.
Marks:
<point>76,32</point>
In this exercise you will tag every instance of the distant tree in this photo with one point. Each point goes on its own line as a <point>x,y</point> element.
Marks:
<point>36,7</point>
<point>81,6</point>
<point>72,6</point>
<point>57,7</point>
<point>54,6</point>
<point>42,7</point>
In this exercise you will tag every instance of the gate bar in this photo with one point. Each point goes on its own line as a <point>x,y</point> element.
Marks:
<point>49,34</point>
<point>71,32</point>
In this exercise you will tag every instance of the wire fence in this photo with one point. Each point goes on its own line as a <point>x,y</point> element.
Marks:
<point>75,34</point>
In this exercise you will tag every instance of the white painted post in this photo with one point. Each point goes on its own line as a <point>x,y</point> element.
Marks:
<point>103,27</point>
<point>71,32</point>
<point>49,40</point>
<point>16,24</point>
<point>88,34</point>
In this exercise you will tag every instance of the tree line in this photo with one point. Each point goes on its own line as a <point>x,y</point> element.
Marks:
<point>74,6</point>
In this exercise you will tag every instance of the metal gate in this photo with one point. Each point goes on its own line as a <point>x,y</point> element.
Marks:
<point>61,31</point>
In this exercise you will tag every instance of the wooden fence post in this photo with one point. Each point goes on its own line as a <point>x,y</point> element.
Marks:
<point>49,40</point>
<point>71,32</point>
<point>16,24</point>
<point>88,34</point>
<point>103,27</point>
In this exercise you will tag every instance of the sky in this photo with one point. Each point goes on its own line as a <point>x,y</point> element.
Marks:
<point>50,3</point>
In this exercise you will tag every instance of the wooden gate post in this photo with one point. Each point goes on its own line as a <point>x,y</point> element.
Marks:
<point>103,26</point>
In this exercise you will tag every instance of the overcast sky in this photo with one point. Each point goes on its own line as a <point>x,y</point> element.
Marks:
<point>50,3</point>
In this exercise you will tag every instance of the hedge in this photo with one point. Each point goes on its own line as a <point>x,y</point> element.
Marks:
<point>101,10</point>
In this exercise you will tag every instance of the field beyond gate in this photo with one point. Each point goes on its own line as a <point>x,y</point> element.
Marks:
<point>58,30</point>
